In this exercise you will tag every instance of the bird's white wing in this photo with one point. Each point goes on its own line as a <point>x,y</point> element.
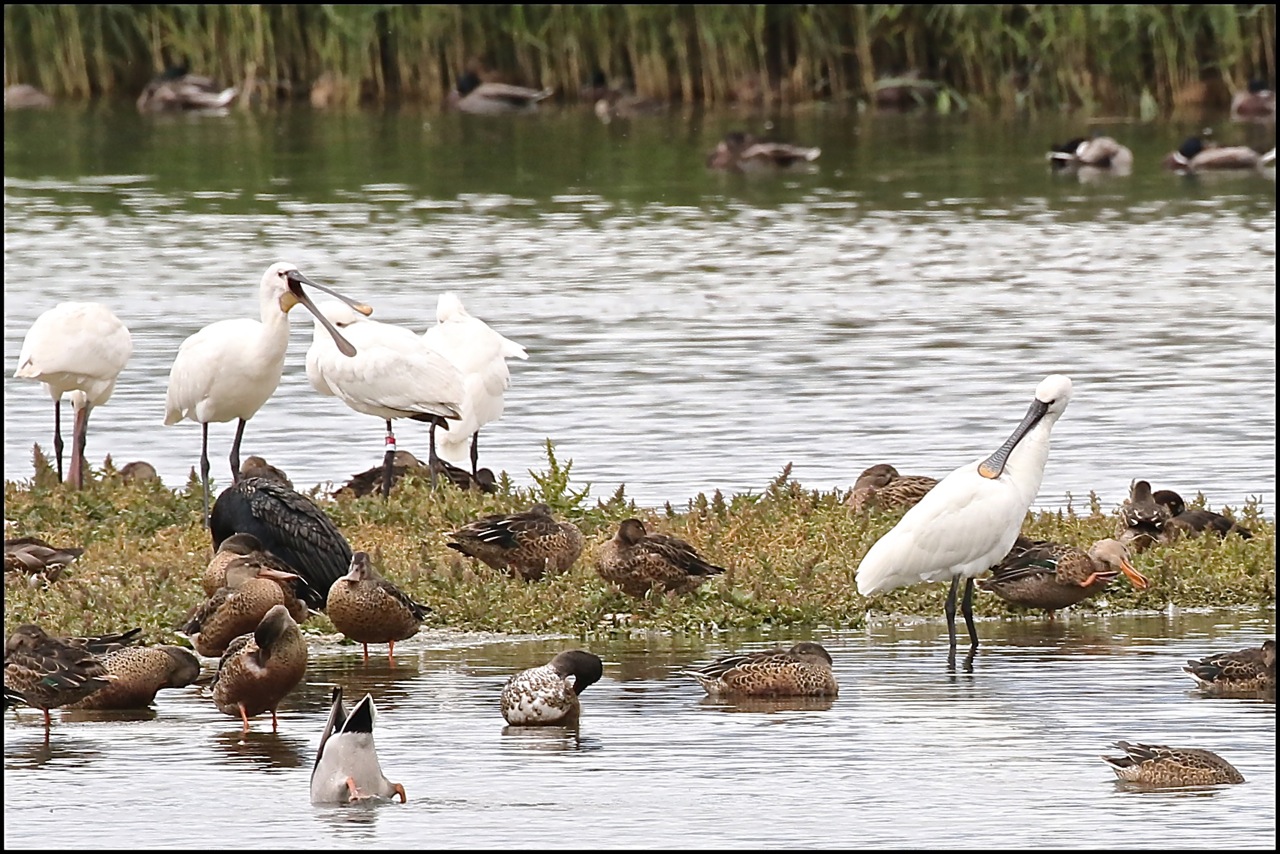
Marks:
<point>391,382</point>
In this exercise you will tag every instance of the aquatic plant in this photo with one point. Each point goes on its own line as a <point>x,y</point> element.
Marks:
<point>790,555</point>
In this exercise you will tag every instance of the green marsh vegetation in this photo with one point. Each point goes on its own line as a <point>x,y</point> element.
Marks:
<point>1115,57</point>
<point>790,555</point>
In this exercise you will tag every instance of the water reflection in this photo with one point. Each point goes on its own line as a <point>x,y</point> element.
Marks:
<point>265,751</point>
<point>768,705</point>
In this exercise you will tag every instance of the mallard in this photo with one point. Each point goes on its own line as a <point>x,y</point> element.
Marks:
<point>740,151</point>
<point>527,544</point>
<point>347,767</point>
<point>1257,101</point>
<point>367,608</point>
<point>638,561</point>
<point>883,488</point>
<point>1042,574</point>
<point>175,90</point>
<point>1097,151</point>
<point>1142,519</point>
<point>1158,766</point>
<point>804,670</point>
<point>51,672</point>
<point>1194,155</point>
<point>24,96</point>
<point>259,669</point>
<point>252,588</point>
<point>1193,522</point>
<point>140,672</point>
<point>610,103</point>
<point>548,695</point>
<point>1245,672</point>
<point>33,556</point>
<point>492,99</point>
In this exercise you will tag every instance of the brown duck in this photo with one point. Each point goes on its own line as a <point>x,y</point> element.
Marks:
<point>740,151</point>
<point>804,670</point>
<point>882,488</point>
<point>32,556</point>
<point>1043,574</point>
<point>1193,522</point>
<point>1246,672</point>
<point>370,481</point>
<point>638,561</point>
<point>1158,766</point>
<point>527,544</point>
<point>49,672</point>
<point>252,588</point>
<point>367,608</point>
<point>140,672</point>
<point>229,551</point>
<point>1142,519</point>
<point>259,669</point>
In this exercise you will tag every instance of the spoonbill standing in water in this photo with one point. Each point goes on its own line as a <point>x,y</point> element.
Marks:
<point>76,348</point>
<point>396,374</point>
<point>480,354</point>
<point>230,368</point>
<point>969,521</point>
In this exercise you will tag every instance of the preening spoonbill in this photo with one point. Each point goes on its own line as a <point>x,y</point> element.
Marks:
<point>347,767</point>
<point>228,369</point>
<point>480,354</point>
<point>395,374</point>
<point>76,348</point>
<point>290,526</point>
<point>969,521</point>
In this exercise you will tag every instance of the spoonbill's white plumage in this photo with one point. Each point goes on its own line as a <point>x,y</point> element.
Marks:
<point>480,354</point>
<point>75,348</point>
<point>969,521</point>
<point>229,369</point>
<point>394,374</point>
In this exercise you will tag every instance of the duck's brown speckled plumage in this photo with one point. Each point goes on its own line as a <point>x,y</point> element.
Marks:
<point>1245,672</point>
<point>548,695</point>
<point>1043,574</point>
<point>882,488</point>
<point>804,670</point>
<point>33,556</point>
<point>258,670</point>
<point>140,672</point>
<point>527,544</point>
<point>252,588</point>
<point>50,672</point>
<point>229,551</point>
<point>1158,766</point>
<point>368,608</point>
<point>638,561</point>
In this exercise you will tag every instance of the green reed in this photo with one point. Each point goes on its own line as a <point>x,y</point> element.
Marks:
<point>997,56</point>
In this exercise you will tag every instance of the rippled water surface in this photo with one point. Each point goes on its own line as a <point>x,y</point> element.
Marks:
<point>907,756</point>
<point>687,330</point>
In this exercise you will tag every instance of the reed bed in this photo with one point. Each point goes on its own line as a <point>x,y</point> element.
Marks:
<point>790,553</point>
<point>1108,57</point>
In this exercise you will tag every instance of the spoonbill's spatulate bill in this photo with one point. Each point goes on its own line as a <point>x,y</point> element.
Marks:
<point>395,375</point>
<point>228,369</point>
<point>76,348</point>
<point>968,522</point>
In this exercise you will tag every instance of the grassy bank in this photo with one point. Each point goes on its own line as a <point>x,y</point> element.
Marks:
<point>790,552</point>
<point>1047,56</point>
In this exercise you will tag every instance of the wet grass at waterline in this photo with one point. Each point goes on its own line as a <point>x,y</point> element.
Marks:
<point>1006,55</point>
<point>790,553</point>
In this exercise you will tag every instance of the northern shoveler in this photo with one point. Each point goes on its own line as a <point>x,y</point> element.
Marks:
<point>638,561</point>
<point>1142,519</point>
<point>804,670</point>
<point>1043,574</point>
<point>50,672</point>
<point>548,695</point>
<point>368,608</point>
<point>140,672</point>
<point>1158,766</point>
<point>527,544</point>
<point>347,767</point>
<point>32,556</point>
<point>252,588</point>
<point>1196,155</point>
<point>1246,672</point>
<point>883,488</point>
<point>258,670</point>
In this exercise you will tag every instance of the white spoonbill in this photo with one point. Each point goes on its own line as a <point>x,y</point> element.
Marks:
<point>76,348</point>
<point>480,354</point>
<point>395,374</point>
<point>969,521</point>
<point>228,369</point>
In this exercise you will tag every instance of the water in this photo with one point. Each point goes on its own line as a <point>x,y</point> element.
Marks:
<point>908,756</point>
<point>687,331</point>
